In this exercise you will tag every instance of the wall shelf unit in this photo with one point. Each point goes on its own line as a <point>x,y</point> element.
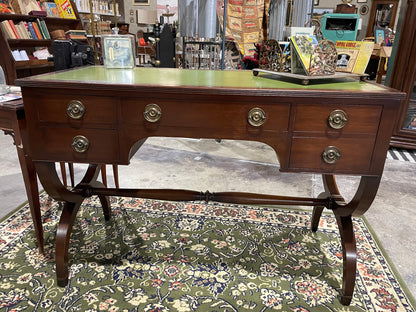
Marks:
<point>18,69</point>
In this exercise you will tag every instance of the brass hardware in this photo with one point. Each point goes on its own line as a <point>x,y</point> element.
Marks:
<point>331,155</point>
<point>75,109</point>
<point>80,144</point>
<point>337,119</point>
<point>152,112</point>
<point>157,63</point>
<point>256,117</point>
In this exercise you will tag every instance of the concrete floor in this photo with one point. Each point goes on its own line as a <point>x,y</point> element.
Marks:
<point>247,167</point>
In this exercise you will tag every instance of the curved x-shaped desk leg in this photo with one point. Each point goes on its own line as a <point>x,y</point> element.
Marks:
<point>343,212</point>
<point>73,200</point>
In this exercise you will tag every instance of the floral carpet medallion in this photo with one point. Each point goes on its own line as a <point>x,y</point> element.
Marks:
<point>169,256</point>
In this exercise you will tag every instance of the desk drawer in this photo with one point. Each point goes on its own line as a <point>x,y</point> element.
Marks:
<point>97,111</point>
<point>198,113</point>
<point>56,145</point>
<point>359,119</point>
<point>355,154</point>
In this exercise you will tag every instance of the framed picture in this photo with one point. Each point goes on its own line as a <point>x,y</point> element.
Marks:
<point>379,37</point>
<point>364,9</point>
<point>140,2</point>
<point>118,52</point>
<point>321,11</point>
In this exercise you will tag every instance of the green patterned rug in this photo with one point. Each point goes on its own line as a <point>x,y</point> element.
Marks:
<point>168,256</point>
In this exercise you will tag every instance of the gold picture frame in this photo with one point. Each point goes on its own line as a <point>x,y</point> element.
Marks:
<point>140,2</point>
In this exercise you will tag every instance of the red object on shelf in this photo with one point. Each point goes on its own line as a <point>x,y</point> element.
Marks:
<point>38,13</point>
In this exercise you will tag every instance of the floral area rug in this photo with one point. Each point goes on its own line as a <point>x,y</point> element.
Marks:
<point>190,256</point>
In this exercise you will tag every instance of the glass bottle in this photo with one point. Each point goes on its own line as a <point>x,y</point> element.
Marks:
<point>4,88</point>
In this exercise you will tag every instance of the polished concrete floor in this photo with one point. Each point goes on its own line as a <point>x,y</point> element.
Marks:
<point>248,167</point>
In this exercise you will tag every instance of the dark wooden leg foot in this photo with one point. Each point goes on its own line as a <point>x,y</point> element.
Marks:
<point>72,199</point>
<point>316,216</point>
<point>343,212</point>
<point>346,300</point>
<point>349,253</point>
<point>63,234</point>
<point>32,191</point>
<point>105,203</point>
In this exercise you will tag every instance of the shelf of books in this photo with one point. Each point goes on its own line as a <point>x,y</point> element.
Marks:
<point>27,30</point>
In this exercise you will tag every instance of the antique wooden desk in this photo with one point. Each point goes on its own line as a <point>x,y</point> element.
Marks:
<point>96,115</point>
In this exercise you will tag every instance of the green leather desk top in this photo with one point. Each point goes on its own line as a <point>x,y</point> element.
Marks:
<point>171,77</point>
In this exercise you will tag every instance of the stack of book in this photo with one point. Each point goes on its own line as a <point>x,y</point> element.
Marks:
<point>25,30</point>
<point>77,34</point>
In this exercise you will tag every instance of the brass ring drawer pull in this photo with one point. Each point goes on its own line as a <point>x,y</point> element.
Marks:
<point>75,109</point>
<point>331,155</point>
<point>152,112</point>
<point>337,119</point>
<point>80,144</point>
<point>256,117</point>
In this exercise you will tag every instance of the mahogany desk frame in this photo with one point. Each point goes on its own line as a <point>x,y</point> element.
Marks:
<point>208,104</point>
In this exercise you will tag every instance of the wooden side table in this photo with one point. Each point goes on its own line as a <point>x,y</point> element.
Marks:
<point>13,122</point>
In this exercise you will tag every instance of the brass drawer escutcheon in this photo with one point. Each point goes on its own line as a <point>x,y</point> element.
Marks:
<point>256,117</point>
<point>152,112</point>
<point>75,109</point>
<point>80,144</point>
<point>331,155</point>
<point>337,119</point>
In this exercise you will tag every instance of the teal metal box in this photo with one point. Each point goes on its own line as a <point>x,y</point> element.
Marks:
<point>339,26</point>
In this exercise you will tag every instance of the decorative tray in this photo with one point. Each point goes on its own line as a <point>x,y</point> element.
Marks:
<point>306,79</point>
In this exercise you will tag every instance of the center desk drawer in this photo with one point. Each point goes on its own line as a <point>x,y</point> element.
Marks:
<point>94,111</point>
<point>199,113</point>
<point>77,145</point>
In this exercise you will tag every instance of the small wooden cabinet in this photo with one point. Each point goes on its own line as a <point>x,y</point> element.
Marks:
<point>19,69</point>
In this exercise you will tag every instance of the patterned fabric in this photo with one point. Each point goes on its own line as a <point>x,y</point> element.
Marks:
<point>243,23</point>
<point>169,256</point>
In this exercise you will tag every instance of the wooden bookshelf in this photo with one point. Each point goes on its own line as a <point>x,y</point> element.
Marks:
<point>18,69</point>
